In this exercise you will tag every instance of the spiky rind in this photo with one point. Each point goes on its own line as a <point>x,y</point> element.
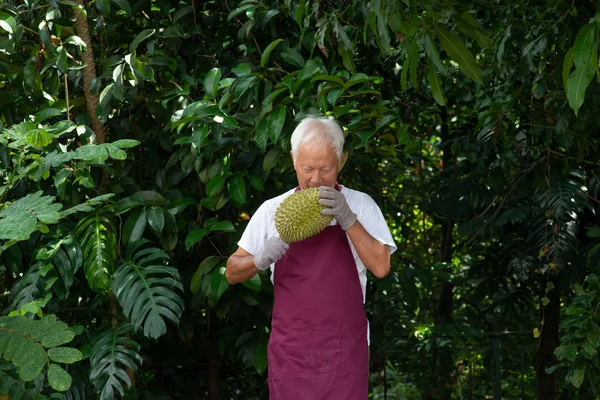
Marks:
<point>299,217</point>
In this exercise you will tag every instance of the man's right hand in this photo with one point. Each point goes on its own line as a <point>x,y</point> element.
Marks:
<point>271,252</point>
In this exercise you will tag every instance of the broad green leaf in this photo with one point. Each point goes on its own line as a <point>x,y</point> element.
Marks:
<point>242,85</point>
<point>24,342</point>
<point>256,182</point>
<point>47,113</point>
<point>65,355</point>
<point>404,74</point>
<point>216,184</point>
<point>577,376</point>
<point>204,268</point>
<point>267,103</point>
<point>148,289</point>
<point>219,283</point>
<point>260,358</point>
<point>143,35</point>
<point>211,82</point>
<point>459,53</point>
<point>275,124</point>
<point>112,354</point>
<point>194,237</point>
<point>20,218</point>
<point>330,78</point>
<point>39,138</point>
<point>7,23</point>
<point>433,54</point>
<point>135,225</point>
<point>262,134</point>
<point>582,49</point>
<point>347,58</point>
<point>436,86</point>
<point>124,5</point>
<point>566,351</point>
<point>58,378</point>
<point>237,189</point>
<point>267,52</point>
<point>103,6</point>
<point>224,226</point>
<point>577,84</point>
<point>156,218</point>
<point>234,13</point>
<point>97,236</point>
<point>270,159</point>
<point>254,284</point>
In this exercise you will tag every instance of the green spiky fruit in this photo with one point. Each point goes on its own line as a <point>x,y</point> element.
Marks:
<point>299,217</point>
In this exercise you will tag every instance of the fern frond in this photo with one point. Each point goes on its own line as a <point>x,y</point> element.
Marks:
<point>147,289</point>
<point>563,195</point>
<point>97,235</point>
<point>112,353</point>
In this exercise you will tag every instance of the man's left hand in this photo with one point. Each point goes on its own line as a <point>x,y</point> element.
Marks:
<point>340,210</point>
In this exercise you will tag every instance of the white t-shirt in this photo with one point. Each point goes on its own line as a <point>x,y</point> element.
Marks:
<point>262,226</point>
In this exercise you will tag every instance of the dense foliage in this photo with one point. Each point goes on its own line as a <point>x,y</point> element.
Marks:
<point>138,137</point>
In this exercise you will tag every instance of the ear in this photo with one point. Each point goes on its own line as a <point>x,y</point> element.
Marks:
<point>343,161</point>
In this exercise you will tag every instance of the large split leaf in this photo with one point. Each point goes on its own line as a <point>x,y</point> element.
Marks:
<point>98,239</point>
<point>112,354</point>
<point>147,289</point>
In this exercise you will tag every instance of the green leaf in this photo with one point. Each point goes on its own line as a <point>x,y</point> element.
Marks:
<point>211,82</point>
<point>24,342</point>
<point>216,184</point>
<point>577,376</point>
<point>578,82</point>
<point>347,58</point>
<point>459,53</point>
<point>134,226</point>
<point>147,289</point>
<point>433,54</point>
<point>124,5</point>
<point>103,7</point>
<point>260,358</point>
<point>156,218</point>
<point>254,283</point>
<point>219,283</point>
<point>275,124</point>
<point>267,52</point>
<point>204,268</point>
<point>194,237</point>
<point>98,239</point>
<point>256,182</point>
<point>66,355</point>
<point>47,113</point>
<point>58,378</point>
<point>143,35</point>
<point>20,219</point>
<point>223,226</point>
<point>237,189</point>
<point>436,86</point>
<point>8,23</point>
<point>582,49</point>
<point>112,354</point>
<point>566,351</point>
<point>270,159</point>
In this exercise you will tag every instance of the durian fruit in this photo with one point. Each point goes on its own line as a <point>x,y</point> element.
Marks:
<point>299,217</point>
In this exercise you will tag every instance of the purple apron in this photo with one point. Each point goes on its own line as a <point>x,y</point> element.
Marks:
<point>318,346</point>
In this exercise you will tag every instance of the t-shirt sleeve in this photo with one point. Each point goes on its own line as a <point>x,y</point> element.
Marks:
<point>256,231</point>
<point>374,222</point>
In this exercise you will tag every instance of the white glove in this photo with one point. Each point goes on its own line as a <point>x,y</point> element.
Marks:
<point>271,252</point>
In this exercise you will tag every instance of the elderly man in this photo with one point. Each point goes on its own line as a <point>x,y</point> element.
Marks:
<point>318,348</point>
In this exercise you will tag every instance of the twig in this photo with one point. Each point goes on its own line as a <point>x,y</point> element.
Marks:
<point>503,200</point>
<point>249,33</point>
<point>67,96</point>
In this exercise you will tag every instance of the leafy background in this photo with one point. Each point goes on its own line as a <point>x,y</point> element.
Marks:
<point>138,137</point>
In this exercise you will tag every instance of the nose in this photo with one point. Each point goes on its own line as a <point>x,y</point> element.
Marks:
<point>316,176</point>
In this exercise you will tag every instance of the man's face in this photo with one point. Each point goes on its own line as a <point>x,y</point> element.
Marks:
<point>316,166</point>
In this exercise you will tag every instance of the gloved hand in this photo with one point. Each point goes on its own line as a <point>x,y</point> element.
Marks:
<point>340,210</point>
<point>271,252</point>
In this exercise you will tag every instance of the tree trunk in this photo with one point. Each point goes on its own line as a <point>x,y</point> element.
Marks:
<point>89,73</point>
<point>213,358</point>
<point>549,340</point>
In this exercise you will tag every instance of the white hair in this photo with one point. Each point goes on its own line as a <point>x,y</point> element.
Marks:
<point>319,131</point>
